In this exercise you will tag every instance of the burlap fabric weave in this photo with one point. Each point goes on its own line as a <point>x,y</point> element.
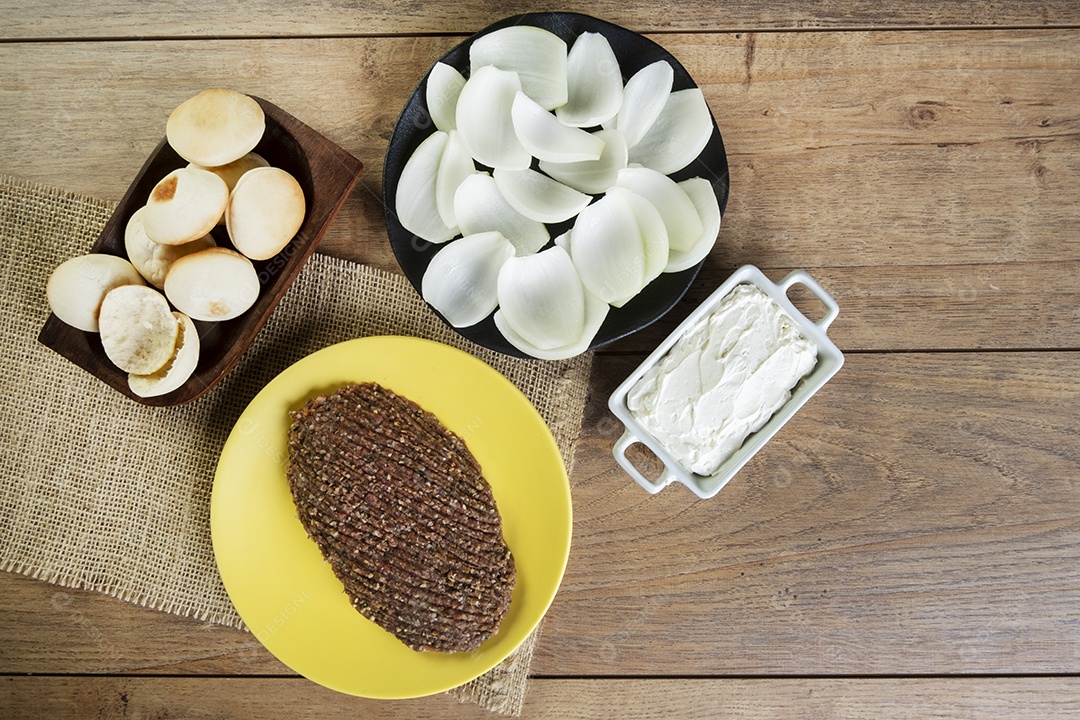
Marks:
<point>102,493</point>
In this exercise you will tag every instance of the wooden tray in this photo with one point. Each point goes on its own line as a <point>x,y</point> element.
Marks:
<point>326,172</point>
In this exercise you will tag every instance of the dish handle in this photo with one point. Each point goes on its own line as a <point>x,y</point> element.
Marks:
<point>621,445</point>
<point>801,277</point>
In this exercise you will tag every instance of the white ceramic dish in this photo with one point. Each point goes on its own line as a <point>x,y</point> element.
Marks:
<point>829,361</point>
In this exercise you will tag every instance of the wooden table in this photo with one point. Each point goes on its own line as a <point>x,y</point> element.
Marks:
<point>907,546</point>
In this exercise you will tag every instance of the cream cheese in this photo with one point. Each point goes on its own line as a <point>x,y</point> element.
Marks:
<point>722,380</point>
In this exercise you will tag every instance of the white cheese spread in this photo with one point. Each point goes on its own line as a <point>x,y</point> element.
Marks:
<point>722,380</point>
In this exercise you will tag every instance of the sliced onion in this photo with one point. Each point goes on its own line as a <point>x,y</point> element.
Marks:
<point>536,55</point>
<point>548,139</point>
<point>538,197</point>
<point>608,250</point>
<point>484,122</point>
<point>461,280</point>
<point>654,235</point>
<point>541,298</point>
<point>596,311</point>
<point>701,193</point>
<point>456,165</point>
<point>417,206</point>
<point>678,136</point>
<point>480,207</point>
<point>444,85</point>
<point>593,176</point>
<point>680,216</point>
<point>594,82</point>
<point>644,98</point>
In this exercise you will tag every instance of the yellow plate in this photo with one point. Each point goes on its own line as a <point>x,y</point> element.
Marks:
<point>276,576</point>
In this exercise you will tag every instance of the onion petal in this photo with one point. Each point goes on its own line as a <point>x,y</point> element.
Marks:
<point>644,98</point>
<point>484,122</point>
<point>654,235</point>
<point>541,297</point>
<point>417,206</point>
<point>680,216</point>
<point>456,165</point>
<point>679,134</point>
<point>701,193</point>
<point>461,280</point>
<point>596,311</point>
<point>480,207</point>
<point>593,176</point>
<point>593,82</point>
<point>536,55</point>
<point>538,197</point>
<point>608,250</point>
<point>444,85</point>
<point>548,139</point>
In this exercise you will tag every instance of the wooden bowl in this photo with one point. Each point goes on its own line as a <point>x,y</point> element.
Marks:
<point>326,172</point>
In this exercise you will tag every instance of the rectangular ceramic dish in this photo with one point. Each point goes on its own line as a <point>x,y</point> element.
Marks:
<point>829,360</point>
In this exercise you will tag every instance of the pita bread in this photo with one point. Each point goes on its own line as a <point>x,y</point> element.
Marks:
<point>138,330</point>
<point>177,369</point>
<point>185,205</point>
<point>265,210</point>
<point>152,259</point>
<point>77,286</point>
<point>214,284</point>
<point>215,127</point>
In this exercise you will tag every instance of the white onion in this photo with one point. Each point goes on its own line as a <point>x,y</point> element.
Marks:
<point>542,299</point>
<point>461,280</point>
<point>608,250</point>
<point>593,176</point>
<point>654,236</point>
<point>455,165</point>
<point>679,214</point>
<point>679,134</point>
<point>538,196</point>
<point>480,207</point>
<point>644,98</point>
<point>444,85</point>
<point>417,206</point>
<point>700,191</point>
<point>596,311</point>
<point>484,122</point>
<point>594,82</point>
<point>536,55</point>
<point>546,138</point>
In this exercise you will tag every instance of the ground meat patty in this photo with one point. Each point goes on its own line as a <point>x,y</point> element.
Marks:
<point>401,511</point>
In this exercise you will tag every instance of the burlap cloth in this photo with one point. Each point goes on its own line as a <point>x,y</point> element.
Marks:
<point>99,492</point>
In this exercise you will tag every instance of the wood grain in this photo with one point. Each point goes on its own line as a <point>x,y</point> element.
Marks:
<point>29,698</point>
<point>252,18</point>
<point>917,521</point>
<point>920,182</point>
<point>920,515</point>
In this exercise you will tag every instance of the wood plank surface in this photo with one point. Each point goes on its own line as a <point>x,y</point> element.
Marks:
<point>255,18</point>
<point>919,516</point>
<point>23,698</point>
<point>906,547</point>
<point>872,159</point>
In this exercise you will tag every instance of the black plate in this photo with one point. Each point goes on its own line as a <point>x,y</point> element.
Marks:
<point>633,53</point>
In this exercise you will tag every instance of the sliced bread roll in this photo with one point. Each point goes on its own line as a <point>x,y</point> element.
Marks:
<point>138,330</point>
<point>177,369</point>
